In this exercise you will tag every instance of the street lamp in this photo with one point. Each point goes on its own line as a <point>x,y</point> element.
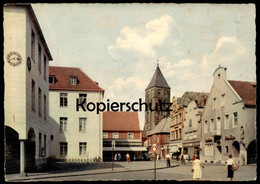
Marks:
<point>113,147</point>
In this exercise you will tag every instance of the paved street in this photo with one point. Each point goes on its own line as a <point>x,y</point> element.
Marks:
<point>142,170</point>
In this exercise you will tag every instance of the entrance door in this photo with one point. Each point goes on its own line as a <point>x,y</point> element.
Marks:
<point>30,151</point>
<point>251,152</point>
<point>12,151</point>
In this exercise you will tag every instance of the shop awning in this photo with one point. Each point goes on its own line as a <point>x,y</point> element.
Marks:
<point>125,149</point>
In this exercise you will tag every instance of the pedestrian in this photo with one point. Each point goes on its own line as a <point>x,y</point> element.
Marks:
<point>197,165</point>
<point>118,157</point>
<point>189,158</point>
<point>182,159</point>
<point>168,160</point>
<point>127,158</point>
<point>193,158</point>
<point>228,168</point>
<point>115,158</point>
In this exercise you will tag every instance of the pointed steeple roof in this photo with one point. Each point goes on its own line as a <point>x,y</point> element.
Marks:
<point>158,80</point>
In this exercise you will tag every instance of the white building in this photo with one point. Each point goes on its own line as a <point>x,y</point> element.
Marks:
<point>26,65</point>
<point>229,120</point>
<point>77,134</point>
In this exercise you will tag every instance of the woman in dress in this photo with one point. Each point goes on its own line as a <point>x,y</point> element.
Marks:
<point>230,162</point>
<point>197,165</point>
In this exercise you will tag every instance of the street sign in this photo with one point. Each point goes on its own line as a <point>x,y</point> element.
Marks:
<point>154,149</point>
<point>155,139</point>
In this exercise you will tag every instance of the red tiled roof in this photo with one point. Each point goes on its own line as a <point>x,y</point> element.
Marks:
<point>246,90</point>
<point>120,121</point>
<point>62,80</point>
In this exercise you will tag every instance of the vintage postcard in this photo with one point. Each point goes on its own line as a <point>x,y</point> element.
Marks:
<point>129,92</point>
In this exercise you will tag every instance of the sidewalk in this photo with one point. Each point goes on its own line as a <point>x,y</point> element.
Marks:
<point>70,170</point>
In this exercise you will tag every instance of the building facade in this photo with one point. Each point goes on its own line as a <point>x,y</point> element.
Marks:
<point>124,129</point>
<point>229,120</point>
<point>157,91</point>
<point>178,116</point>
<point>77,134</point>
<point>192,129</point>
<point>26,61</point>
<point>162,131</point>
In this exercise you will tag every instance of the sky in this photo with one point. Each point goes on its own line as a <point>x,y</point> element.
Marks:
<point>118,45</point>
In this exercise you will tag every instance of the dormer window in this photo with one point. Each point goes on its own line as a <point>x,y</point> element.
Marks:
<point>73,80</point>
<point>51,79</point>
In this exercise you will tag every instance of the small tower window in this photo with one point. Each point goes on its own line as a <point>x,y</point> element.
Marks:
<point>73,80</point>
<point>219,75</point>
<point>51,79</point>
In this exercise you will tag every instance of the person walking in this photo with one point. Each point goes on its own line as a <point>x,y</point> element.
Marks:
<point>118,156</point>
<point>127,158</point>
<point>168,160</point>
<point>230,163</point>
<point>115,158</point>
<point>182,160</point>
<point>189,158</point>
<point>197,165</point>
<point>194,157</point>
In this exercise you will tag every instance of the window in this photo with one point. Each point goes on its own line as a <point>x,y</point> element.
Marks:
<point>40,101</point>
<point>40,144</point>
<point>39,58</point>
<point>180,133</point>
<point>51,79</point>
<point>45,67</point>
<point>105,135</point>
<point>33,46</point>
<point>222,100</point>
<point>45,147</point>
<point>73,80</point>
<point>211,125</point>
<point>63,148</point>
<point>82,97</point>
<point>63,99</point>
<point>82,124</point>
<point>115,135</point>
<point>177,136</point>
<point>33,95</point>
<point>206,127</point>
<point>45,106</point>
<point>208,149</point>
<point>214,103</point>
<point>179,117</point>
<point>63,123</point>
<point>226,149</point>
<point>190,123</point>
<point>82,148</point>
<point>226,122</point>
<point>130,135</point>
<point>235,120</point>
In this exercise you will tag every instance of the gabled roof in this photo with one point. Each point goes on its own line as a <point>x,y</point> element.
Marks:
<point>62,80</point>
<point>189,96</point>
<point>120,121</point>
<point>246,90</point>
<point>163,127</point>
<point>158,80</point>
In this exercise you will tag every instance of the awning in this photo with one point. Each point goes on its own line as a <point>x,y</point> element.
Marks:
<point>125,149</point>
<point>174,149</point>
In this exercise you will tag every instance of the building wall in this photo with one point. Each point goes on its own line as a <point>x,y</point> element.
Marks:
<point>93,134</point>
<point>15,77</point>
<point>192,134</point>
<point>233,103</point>
<point>153,95</point>
<point>19,115</point>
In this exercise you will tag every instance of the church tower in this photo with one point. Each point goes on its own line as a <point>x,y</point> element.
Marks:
<point>157,90</point>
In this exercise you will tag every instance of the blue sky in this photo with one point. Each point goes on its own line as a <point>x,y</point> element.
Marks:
<point>117,45</point>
